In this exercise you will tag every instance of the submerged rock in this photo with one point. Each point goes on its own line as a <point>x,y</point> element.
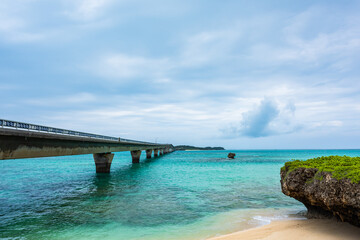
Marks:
<point>231,155</point>
<point>322,194</point>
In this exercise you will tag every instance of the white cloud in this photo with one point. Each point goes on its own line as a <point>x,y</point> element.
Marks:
<point>90,8</point>
<point>338,43</point>
<point>8,23</point>
<point>298,46</point>
<point>209,47</point>
<point>87,10</point>
<point>196,51</point>
<point>328,124</point>
<point>140,121</point>
<point>63,101</point>
<point>13,28</point>
<point>28,22</point>
<point>121,67</point>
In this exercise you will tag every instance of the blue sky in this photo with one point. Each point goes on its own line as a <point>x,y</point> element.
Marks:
<point>238,74</point>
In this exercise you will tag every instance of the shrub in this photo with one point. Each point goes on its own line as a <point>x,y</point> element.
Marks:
<point>339,166</point>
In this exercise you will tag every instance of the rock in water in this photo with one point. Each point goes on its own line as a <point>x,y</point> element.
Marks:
<point>322,194</point>
<point>231,155</point>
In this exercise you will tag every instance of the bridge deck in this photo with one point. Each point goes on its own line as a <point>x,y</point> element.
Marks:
<point>24,140</point>
<point>15,143</point>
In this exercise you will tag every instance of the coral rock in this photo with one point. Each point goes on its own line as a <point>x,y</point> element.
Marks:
<point>323,195</point>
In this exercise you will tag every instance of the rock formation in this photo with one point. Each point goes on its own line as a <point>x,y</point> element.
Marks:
<point>231,155</point>
<point>322,194</point>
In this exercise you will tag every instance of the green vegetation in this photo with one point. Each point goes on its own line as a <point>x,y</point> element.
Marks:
<point>339,166</point>
<point>186,147</point>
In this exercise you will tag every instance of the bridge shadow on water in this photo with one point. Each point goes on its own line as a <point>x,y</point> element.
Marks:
<point>128,176</point>
<point>134,195</point>
<point>92,198</point>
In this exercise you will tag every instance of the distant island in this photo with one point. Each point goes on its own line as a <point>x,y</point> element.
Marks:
<point>186,147</point>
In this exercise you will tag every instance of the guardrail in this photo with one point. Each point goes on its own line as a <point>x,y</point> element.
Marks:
<point>45,129</point>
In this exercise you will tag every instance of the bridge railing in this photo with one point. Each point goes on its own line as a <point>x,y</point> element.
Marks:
<point>39,128</point>
<point>135,141</point>
<point>45,129</point>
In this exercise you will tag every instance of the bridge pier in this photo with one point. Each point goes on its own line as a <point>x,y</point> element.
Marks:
<point>148,153</point>
<point>103,162</point>
<point>156,151</point>
<point>161,152</point>
<point>135,156</point>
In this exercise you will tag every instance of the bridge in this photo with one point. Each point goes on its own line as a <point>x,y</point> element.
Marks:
<point>24,140</point>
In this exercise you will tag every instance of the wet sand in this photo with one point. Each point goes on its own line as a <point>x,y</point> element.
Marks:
<point>313,229</point>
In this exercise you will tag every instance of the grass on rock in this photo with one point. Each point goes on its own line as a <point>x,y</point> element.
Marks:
<point>339,166</point>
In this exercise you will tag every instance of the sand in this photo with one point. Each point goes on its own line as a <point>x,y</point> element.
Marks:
<point>314,229</point>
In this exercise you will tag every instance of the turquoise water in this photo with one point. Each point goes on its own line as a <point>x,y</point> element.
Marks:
<point>182,195</point>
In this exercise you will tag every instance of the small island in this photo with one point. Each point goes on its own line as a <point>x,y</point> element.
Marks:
<point>328,186</point>
<point>187,147</point>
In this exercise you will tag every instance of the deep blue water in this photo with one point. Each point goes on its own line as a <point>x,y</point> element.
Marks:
<point>182,195</point>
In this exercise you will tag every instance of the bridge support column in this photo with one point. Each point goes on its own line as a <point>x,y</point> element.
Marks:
<point>148,153</point>
<point>103,162</point>
<point>156,152</point>
<point>161,151</point>
<point>135,156</point>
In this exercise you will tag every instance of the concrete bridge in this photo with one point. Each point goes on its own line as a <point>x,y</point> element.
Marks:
<point>24,140</point>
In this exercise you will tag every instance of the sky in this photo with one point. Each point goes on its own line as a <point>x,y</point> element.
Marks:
<point>232,73</point>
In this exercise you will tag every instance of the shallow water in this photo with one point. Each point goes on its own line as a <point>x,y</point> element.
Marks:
<point>182,195</point>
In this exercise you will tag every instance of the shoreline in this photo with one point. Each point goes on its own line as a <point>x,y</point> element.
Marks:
<point>306,229</point>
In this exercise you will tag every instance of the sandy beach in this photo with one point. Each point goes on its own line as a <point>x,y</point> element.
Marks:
<point>314,229</point>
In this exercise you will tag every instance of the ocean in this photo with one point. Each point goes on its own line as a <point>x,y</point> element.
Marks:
<point>181,195</point>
